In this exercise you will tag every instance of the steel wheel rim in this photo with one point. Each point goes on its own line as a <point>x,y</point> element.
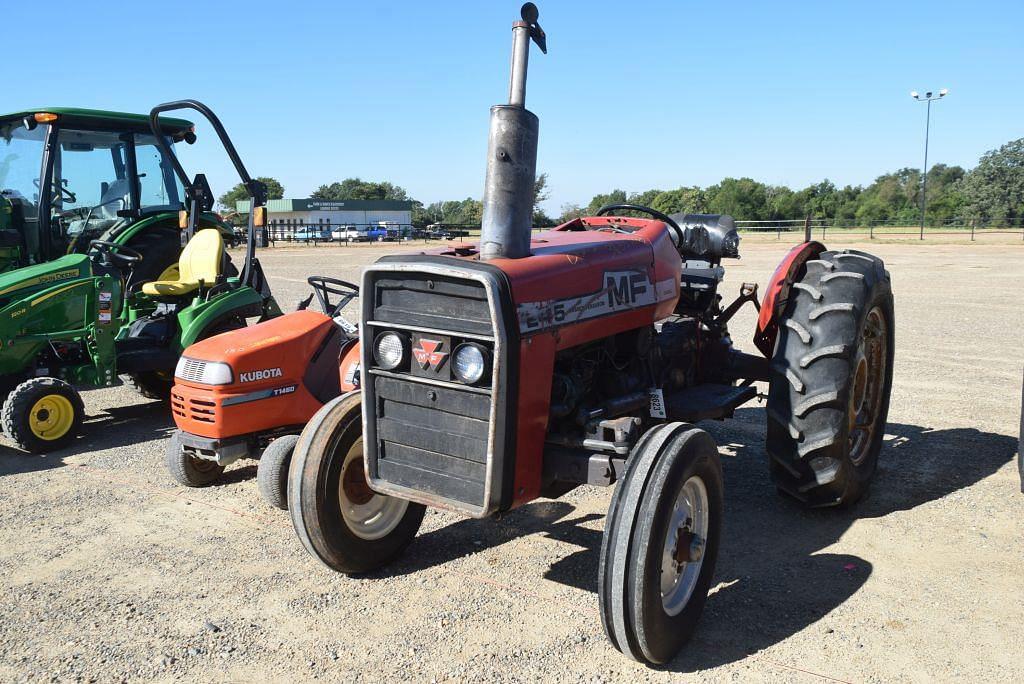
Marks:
<point>369,515</point>
<point>202,465</point>
<point>682,554</point>
<point>867,393</point>
<point>51,417</point>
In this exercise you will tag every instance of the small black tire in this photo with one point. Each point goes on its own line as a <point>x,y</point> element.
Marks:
<point>640,618</point>
<point>328,494</point>
<point>828,397</point>
<point>43,414</point>
<point>187,469</point>
<point>1020,443</point>
<point>151,384</point>
<point>272,471</point>
<point>222,325</point>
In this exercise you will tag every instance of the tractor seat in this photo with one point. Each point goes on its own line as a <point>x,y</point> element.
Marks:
<point>199,261</point>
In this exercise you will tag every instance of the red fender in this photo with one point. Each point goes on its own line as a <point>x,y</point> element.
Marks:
<point>348,366</point>
<point>777,294</point>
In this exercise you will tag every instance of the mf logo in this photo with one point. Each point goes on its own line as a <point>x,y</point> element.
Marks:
<point>429,354</point>
<point>625,289</point>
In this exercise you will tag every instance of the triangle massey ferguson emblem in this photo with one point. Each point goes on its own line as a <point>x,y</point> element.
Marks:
<point>428,354</point>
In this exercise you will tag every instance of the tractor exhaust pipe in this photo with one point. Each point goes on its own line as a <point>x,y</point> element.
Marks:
<point>512,154</point>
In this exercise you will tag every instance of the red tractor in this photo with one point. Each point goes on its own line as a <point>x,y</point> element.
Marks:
<point>520,368</point>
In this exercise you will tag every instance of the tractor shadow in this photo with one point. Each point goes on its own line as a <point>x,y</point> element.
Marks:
<point>113,427</point>
<point>772,578</point>
<point>119,426</point>
<point>16,462</point>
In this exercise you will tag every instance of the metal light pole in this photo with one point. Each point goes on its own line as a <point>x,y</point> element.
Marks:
<point>928,97</point>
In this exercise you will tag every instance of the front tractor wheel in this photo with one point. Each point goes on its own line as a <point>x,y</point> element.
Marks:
<point>828,398</point>
<point>42,414</point>
<point>272,471</point>
<point>660,543</point>
<point>338,518</point>
<point>188,469</point>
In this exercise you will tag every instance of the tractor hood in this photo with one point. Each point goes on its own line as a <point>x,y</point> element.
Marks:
<point>30,278</point>
<point>261,354</point>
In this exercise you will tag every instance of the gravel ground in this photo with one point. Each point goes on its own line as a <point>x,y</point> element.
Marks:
<point>110,572</point>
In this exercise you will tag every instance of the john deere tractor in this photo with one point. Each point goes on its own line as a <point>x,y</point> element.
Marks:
<point>105,287</point>
<point>70,176</point>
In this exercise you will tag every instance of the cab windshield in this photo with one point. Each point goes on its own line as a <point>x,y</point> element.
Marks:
<point>21,157</point>
<point>91,186</point>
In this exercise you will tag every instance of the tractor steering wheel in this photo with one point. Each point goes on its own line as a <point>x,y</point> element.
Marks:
<point>324,287</point>
<point>667,220</point>
<point>111,252</point>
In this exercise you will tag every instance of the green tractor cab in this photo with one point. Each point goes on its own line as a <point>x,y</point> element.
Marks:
<point>71,176</point>
<point>89,318</point>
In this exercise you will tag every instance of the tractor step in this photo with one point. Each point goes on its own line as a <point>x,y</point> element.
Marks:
<point>706,402</point>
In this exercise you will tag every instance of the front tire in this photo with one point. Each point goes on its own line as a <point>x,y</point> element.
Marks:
<point>338,518</point>
<point>272,471</point>
<point>43,414</point>
<point>187,469</point>
<point>660,543</point>
<point>828,398</point>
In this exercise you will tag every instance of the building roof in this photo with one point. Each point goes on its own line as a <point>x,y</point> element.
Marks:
<point>98,118</point>
<point>282,205</point>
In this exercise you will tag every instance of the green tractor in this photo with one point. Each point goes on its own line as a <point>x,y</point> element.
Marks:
<point>71,176</point>
<point>124,299</point>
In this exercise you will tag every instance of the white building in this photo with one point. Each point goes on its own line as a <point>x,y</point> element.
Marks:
<point>312,218</point>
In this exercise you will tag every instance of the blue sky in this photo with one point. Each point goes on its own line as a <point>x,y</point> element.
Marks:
<point>631,95</point>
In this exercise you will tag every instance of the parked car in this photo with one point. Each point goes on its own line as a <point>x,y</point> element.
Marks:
<point>345,234</point>
<point>308,233</point>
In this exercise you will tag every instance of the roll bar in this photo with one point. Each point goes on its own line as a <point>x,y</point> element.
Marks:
<point>198,190</point>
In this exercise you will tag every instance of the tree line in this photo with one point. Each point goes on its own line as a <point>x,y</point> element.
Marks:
<point>992,193</point>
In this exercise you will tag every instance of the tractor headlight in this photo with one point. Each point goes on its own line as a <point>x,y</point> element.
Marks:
<point>203,372</point>
<point>470,362</point>
<point>389,350</point>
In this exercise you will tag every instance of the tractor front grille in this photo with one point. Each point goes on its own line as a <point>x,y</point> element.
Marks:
<point>199,410</point>
<point>430,438</point>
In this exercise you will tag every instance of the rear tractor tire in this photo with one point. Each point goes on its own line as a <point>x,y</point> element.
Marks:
<point>151,384</point>
<point>43,414</point>
<point>187,469</point>
<point>828,398</point>
<point>272,471</point>
<point>660,543</point>
<point>338,518</point>
<point>157,384</point>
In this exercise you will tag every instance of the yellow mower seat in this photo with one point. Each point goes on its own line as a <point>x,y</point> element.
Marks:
<point>199,261</point>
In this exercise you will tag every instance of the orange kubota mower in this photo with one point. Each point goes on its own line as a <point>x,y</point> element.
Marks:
<point>248,393</point>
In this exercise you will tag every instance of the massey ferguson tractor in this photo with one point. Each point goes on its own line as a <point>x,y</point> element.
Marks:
<point>520,368</point>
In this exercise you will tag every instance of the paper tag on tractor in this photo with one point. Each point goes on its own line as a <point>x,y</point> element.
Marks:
<point>657,403</point>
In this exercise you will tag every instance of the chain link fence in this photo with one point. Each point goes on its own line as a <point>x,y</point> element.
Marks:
<point>280,233</point>
<point>821,228</point>
<point>326,233</point>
